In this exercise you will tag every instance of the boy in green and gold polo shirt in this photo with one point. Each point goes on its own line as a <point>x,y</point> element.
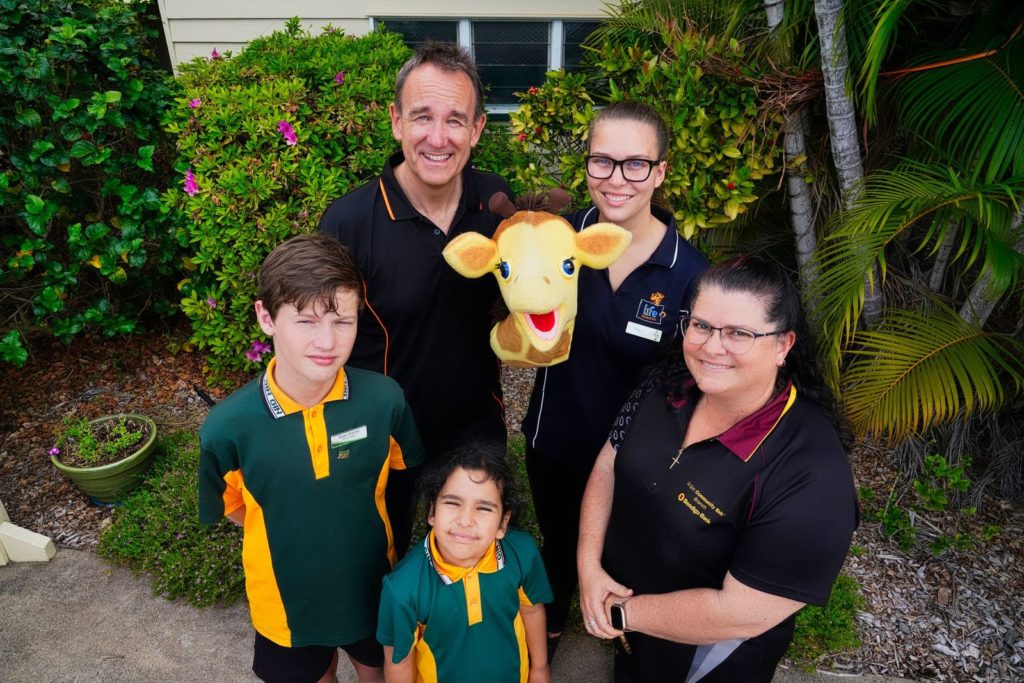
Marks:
<point>465,605</point>
<point>300,458</point>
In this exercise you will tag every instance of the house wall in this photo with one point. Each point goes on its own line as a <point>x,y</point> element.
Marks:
<point>195,27</point>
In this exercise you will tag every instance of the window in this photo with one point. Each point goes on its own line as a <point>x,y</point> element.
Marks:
<point>418,32</point>
<point>511,55</point>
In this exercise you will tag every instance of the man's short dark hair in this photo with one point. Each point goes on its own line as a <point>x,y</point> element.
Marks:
<point>307,268</point>
<point>447,57</point>
<point>481,456</point>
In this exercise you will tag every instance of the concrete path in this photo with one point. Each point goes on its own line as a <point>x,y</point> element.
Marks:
<point>78,619</point>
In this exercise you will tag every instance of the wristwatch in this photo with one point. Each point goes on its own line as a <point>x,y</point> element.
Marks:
<point>618,615</point>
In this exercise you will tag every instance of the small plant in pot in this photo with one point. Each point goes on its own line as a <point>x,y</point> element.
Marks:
<point>106,457</point>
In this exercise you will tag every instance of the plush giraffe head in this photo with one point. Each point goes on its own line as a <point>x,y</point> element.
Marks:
<point>536,256</point>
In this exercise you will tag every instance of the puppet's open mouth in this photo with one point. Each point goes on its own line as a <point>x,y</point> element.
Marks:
<point>544,325</point>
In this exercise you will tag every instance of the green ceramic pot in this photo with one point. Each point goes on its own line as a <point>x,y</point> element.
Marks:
<point>109,483</point>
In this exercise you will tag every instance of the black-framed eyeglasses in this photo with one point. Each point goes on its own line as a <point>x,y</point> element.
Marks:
<point>633,170</point>
<point>734,339</point>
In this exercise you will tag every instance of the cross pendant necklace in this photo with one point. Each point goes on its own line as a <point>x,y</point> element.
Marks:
<point>675,460</point>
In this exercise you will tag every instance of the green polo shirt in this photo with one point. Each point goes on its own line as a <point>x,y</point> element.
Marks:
<point>317,539</point>
<point>464,624</point>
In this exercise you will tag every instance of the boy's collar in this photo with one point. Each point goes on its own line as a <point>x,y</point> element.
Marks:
<point>492,561</point>
<point>280,404</point>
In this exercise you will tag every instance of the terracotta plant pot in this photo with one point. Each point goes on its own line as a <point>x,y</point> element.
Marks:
<point>109,483</point>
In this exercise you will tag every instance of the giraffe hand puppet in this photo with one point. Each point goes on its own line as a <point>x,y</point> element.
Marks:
<point>536,256</point>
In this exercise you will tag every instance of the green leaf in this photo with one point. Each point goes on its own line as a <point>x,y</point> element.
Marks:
<point>39,148</point>
<point>11,350</point>
<point>82,148</point>
<point>65,108</point>
<point>917,370</point>
<point>34,204</point>
<point>145,160</point>
<point>29,118</point>
<point>112,96</point>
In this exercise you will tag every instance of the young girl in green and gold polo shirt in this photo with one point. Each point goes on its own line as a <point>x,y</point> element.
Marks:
<point>466,604</point>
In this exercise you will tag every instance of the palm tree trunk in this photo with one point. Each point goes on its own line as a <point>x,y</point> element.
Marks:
<point>983,297</point>
<point>801,210</point>
<point>942,256</point>
<point>842,124</point>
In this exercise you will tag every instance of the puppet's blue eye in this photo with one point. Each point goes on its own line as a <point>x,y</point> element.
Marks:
<point>568,267</point>
<point>504,270</point>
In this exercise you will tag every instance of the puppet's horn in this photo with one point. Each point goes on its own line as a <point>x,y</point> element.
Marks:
<point>558,199</point>
<point>500,204</point>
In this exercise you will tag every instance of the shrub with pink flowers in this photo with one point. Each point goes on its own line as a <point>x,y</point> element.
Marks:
<point>266,139</point>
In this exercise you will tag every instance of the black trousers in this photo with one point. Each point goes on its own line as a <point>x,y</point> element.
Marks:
<point>401,497</point>
<point>557,493</point>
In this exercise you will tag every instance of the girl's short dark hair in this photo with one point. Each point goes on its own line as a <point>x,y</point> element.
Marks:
<point>484,456</point>
<point>305,269</point>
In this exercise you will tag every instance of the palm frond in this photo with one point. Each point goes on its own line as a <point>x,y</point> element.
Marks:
<point>973,110</point>
<point>888,17</point>
<point>724,19</point>
<point>918,370</point>
<point>891,202</point>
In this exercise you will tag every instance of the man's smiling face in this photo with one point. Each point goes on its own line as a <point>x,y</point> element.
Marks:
<point>435,124</point>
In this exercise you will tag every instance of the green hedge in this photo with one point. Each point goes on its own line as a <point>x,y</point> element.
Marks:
<point>157,531</point>
<point>85,242</point>
<point>720,143</point>
<point>266,140</point>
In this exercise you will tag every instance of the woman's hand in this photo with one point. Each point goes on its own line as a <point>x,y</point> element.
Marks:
<point>596,589</point>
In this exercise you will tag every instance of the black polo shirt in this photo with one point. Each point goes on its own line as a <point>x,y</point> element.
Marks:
<point>617,334</point>
<point>771,501</point>
<point>424,324</point>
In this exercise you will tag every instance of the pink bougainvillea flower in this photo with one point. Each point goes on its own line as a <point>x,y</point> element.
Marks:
<point>54,451</point>
<point>193,104</point>
<point>260,347</point>
<point>253,356</point>
<point>214,54</point>
<point>288,132</point>
<point>339,78</point>
<point>191,188</point>
<point>211,302</point>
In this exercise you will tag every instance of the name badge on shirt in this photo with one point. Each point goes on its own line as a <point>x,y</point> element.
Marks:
<point>643,331</point>
<point>348,437</point>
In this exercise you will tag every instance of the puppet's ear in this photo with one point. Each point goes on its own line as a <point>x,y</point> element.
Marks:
<point>601,244</point>
<point>500,204</point>
<point>471,254</point>
<point>558,199</point>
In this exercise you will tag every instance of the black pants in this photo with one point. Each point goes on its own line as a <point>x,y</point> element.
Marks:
<point>400,497</point>
<point>557,493</point>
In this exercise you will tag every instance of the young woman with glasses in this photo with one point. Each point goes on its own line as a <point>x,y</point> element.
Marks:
<point>626,315</point>
<point>723,501</point>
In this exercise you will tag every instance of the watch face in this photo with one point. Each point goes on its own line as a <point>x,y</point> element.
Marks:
<point>617,617</point>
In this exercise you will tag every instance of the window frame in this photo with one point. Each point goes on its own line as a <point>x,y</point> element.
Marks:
<point>556,40</point>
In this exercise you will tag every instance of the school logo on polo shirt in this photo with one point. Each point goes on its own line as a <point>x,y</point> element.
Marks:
<point>342,439</point>
<point>651,309</point>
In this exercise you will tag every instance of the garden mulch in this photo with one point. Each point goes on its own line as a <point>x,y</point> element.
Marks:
<point>958,617</point>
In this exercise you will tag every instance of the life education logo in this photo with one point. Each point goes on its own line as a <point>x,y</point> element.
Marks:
<point>651,309</point>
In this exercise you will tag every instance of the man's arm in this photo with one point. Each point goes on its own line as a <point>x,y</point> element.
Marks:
<point>403,672</point>
<point>534,621</point>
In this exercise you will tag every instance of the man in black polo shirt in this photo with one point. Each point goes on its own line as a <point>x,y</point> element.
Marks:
<point>425,325</point>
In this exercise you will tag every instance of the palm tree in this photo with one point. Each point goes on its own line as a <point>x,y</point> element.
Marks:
<point>950,199</point>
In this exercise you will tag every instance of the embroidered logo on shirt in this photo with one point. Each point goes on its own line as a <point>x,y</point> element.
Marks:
<point>651,310</point>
